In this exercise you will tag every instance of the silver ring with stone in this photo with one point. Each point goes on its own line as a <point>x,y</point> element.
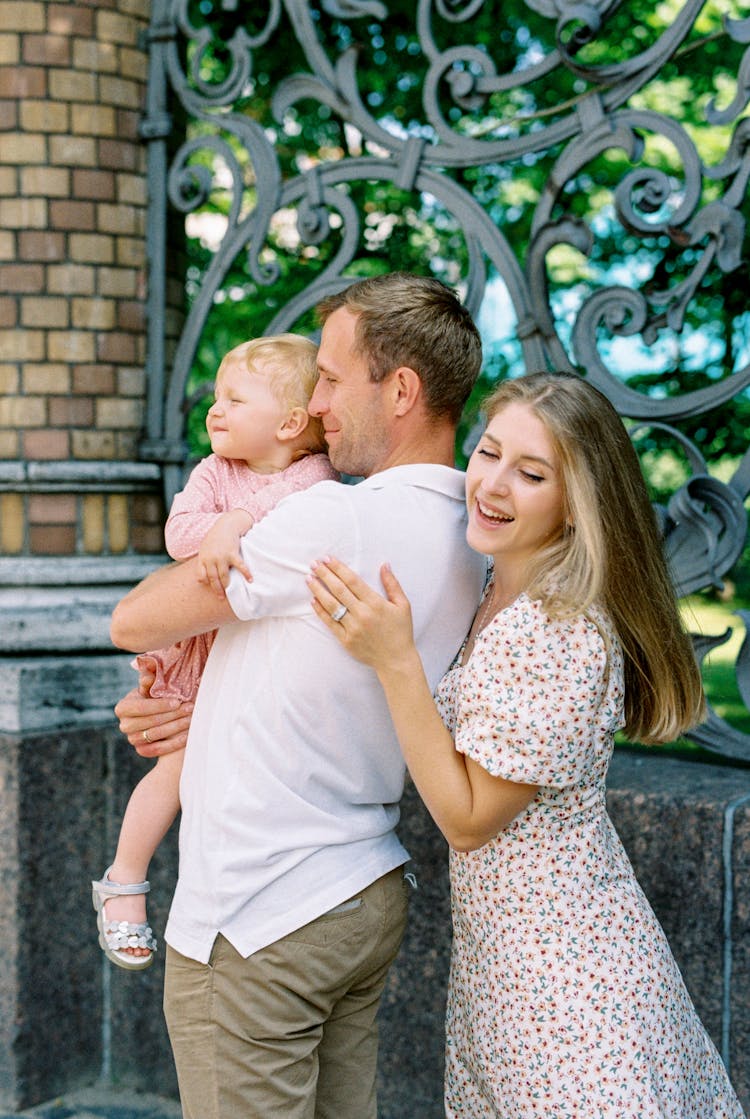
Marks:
<point>338,613</point>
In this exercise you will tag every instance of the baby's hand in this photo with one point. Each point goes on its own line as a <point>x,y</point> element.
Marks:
<point>220,550</point>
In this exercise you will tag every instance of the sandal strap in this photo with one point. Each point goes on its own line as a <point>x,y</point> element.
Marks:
<point>105,887</point>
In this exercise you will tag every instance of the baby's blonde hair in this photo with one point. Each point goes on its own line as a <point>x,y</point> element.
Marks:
<point>290,362</point>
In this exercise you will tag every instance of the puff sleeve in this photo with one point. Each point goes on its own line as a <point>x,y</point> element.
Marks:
<point>535,698</point>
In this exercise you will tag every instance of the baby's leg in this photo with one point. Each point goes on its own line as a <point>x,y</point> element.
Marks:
<point>152,807</point>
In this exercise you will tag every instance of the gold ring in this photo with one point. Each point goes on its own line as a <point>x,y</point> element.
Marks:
<point>146,736</point>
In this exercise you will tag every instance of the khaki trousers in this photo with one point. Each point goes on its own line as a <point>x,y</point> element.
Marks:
<point>290,1032</point>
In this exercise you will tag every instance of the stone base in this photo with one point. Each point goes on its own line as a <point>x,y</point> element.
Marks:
<point>687,833</point>
<point>41,692</point>
<point>69,1019</point>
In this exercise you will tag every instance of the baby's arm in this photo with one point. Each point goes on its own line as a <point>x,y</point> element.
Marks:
<point>194,510</point>
<point>220,549</point>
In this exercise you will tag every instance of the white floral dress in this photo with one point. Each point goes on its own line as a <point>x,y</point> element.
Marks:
<point>564,1001</point>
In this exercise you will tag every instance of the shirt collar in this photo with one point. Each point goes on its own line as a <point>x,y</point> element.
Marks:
<point>428,475</point>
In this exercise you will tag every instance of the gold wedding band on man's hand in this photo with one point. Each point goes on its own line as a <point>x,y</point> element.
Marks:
<point>338,613</point>
<point>146,736</point>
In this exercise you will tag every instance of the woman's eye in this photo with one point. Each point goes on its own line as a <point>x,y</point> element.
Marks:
<point>485,453</point>
<point>532,477</point>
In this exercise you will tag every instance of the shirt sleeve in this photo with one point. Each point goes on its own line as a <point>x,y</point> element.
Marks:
<point>194,510</point>
<point>531,697</point>
<point>280,550</point>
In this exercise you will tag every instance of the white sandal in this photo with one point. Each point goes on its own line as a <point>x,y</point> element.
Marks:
<point>117,935</point>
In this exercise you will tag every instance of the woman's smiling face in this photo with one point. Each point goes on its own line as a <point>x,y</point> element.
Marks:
<point>514,491</point>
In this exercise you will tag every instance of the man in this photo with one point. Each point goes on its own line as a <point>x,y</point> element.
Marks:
<point>290,907</point>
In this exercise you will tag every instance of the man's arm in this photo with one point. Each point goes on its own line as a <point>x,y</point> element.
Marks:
<point>167,606</point>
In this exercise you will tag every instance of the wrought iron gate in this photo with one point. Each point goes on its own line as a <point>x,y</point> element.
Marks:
<point>632,237</point>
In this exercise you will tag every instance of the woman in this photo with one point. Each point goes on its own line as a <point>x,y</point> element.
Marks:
<point>564,998</point>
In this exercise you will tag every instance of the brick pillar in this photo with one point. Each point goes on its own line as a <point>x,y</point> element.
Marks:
<point>80,516</point>
<point>81,520</point>
<point>72,259</point>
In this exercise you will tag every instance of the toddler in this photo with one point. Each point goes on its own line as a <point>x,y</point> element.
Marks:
<point>265,445</point>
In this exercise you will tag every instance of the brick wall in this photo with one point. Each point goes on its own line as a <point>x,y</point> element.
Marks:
<point>72,280</point>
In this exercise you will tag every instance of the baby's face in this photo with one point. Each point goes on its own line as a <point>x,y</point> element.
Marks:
<point>245,418</point>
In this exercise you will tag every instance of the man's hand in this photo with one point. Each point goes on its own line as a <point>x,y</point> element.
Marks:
<point>154,726</point>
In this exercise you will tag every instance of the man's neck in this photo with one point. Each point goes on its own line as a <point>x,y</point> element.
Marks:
<point>437,445</point>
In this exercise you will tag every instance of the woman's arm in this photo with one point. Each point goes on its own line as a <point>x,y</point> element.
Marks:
<point>468,804</point>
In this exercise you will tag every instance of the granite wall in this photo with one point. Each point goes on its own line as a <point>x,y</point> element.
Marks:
<point>69,1019</point>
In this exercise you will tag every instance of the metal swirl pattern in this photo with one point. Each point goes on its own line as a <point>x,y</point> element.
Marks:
<point>481,115</point>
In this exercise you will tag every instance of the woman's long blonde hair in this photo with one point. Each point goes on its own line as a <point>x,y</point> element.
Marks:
<point>610,552</point>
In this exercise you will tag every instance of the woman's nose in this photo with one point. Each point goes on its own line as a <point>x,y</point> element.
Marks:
<point>497,482</point>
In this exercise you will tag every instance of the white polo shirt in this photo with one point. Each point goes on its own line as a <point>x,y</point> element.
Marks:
<point>293,772</point>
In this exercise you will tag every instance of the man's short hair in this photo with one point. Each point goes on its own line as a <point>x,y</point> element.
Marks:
<point>419,322</point>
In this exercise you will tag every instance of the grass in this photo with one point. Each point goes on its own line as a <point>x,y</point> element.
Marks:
<point>712,618</point>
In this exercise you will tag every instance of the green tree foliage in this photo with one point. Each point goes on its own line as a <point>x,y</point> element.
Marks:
<point>403,230</point>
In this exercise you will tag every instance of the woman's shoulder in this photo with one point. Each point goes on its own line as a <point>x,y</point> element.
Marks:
<point>529,619</point>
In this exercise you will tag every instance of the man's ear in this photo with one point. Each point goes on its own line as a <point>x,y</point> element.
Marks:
<point>407,388</point>
<point>294,424</point>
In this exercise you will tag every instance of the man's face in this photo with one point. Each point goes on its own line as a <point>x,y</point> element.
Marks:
<point>353,408</point>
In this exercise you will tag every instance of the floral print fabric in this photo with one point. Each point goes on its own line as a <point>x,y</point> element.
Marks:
<point>564,999</point>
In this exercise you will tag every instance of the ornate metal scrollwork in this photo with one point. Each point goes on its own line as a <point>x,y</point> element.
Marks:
<point>481,114</point>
